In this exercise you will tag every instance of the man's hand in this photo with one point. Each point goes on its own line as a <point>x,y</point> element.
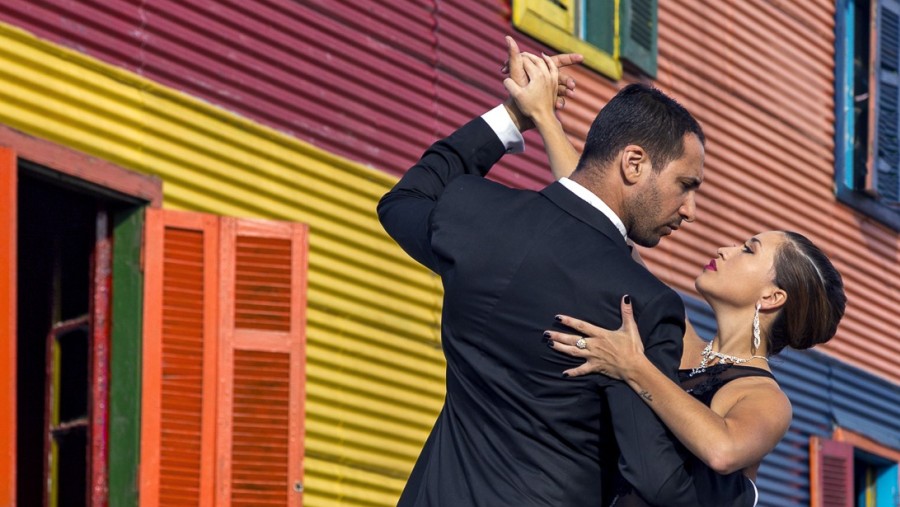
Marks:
<point>515,67</point>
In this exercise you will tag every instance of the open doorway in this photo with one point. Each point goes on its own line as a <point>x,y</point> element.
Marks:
<point>63,342</point>
<point>71,309</point>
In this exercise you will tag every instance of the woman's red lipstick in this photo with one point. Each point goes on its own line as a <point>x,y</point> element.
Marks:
<point>711,266</point>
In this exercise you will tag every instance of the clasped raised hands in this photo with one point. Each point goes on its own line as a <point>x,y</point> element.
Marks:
<point>535,85</point>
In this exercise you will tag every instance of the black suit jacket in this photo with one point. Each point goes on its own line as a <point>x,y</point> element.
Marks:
<point>513,431</point>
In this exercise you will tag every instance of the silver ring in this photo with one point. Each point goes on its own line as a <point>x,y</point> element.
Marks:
<point>581,343</point>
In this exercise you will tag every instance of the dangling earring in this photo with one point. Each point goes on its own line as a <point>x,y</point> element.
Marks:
<point>756,329</point>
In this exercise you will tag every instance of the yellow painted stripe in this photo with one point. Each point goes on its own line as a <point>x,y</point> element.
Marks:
<point>375,369</point>
<point>331,484</point>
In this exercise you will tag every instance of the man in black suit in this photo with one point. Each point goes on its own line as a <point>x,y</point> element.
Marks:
<point>514,431</point>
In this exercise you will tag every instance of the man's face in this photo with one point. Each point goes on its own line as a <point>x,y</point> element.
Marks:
<point>666,198</point>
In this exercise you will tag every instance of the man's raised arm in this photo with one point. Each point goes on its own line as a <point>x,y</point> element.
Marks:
<point>405,211</point>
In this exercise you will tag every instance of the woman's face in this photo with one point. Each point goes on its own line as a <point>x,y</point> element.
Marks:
<point>742,274</point>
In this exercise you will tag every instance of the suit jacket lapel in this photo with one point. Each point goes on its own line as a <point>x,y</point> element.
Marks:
<point>578,208</point>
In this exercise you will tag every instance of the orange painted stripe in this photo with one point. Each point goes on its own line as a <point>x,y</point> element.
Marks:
<point>8,231</point>
<point>867,444</point>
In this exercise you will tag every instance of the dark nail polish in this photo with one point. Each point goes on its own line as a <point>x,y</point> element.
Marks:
<point>546,334</point>
<point>565,375</point>
<point>550,343</point>
<point>627,300</point>
<point>558,318</point>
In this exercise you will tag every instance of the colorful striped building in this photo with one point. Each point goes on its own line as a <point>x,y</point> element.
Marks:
<point>199,306</point>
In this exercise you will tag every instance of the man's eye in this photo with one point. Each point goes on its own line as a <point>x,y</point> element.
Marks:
<point>747,249</point>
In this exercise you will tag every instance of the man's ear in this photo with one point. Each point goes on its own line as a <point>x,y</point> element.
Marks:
<point>635,164</point>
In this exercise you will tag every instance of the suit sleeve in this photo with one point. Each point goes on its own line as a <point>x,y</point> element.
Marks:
<point>405,212</point>
<point>652,460</point>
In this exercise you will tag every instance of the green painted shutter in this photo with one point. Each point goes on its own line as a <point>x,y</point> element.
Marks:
<point>125,357</point>
<point>639,33</point>
<point>599,24</point>
<point>885,179</point>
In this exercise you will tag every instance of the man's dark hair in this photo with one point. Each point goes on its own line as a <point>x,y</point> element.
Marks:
<point>643,116</point>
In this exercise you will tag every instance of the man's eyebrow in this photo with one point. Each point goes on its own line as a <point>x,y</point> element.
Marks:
<point>752,240</point>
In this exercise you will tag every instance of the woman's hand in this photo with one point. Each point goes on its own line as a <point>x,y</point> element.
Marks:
<point>612,353</point>
<point>565,83</point>
<point>515,68</point>
<point>537,99</point>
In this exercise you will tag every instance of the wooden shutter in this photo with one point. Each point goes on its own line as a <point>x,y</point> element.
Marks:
<point>261,363</point>
<point>831,473</point>
<point>600,24</point>
<point>638,30</point>
<point>179,359</point>
<point>8,291</point>
<point>884,179</point>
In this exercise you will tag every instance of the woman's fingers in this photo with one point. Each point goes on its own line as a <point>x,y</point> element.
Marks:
<point>567,59</point>
<point>535,68</point>
<point>567,343</point>
<point>628,322</point>
<point>554,70</point>
<point>578,371</point>
<point>564,91</point>
<point>579,325</point>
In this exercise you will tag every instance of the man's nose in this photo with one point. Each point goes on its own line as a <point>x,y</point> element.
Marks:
<point>688,209</point>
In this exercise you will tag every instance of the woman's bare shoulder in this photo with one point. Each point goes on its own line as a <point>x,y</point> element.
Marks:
<point>753,393</point>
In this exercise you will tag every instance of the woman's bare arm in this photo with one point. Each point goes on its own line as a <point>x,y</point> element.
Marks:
<point>562,155</point>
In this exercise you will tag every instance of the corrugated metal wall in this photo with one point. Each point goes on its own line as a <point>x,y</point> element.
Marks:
<point>375,372</point>
<point>824,392</point>
<point>376,82</point>
<point>372,81</point>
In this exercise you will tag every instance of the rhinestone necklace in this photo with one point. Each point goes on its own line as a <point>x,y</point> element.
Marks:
<point>708,355</point>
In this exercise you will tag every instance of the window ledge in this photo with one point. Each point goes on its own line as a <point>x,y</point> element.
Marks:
<point>865,204</point>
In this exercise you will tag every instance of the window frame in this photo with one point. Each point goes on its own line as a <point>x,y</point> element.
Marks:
<point>866,444</point>
<point>845,191</point>
<point>134,192</point>
<point>555,26</point>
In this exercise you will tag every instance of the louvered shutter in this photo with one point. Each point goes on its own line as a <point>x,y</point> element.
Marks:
<point>179,359</point>
<point>831,473</point>
<point>884,180</point>
<point>639,33</point>
<point>8,291</point>
<point>261,363</point>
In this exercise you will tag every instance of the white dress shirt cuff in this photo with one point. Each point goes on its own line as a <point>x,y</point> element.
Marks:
<point>502,125</point>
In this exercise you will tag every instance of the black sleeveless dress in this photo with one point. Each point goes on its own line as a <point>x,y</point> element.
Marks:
<point>702,386</point>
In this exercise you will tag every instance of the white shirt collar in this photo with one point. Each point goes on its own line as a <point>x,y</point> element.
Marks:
<point>592,199</point>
